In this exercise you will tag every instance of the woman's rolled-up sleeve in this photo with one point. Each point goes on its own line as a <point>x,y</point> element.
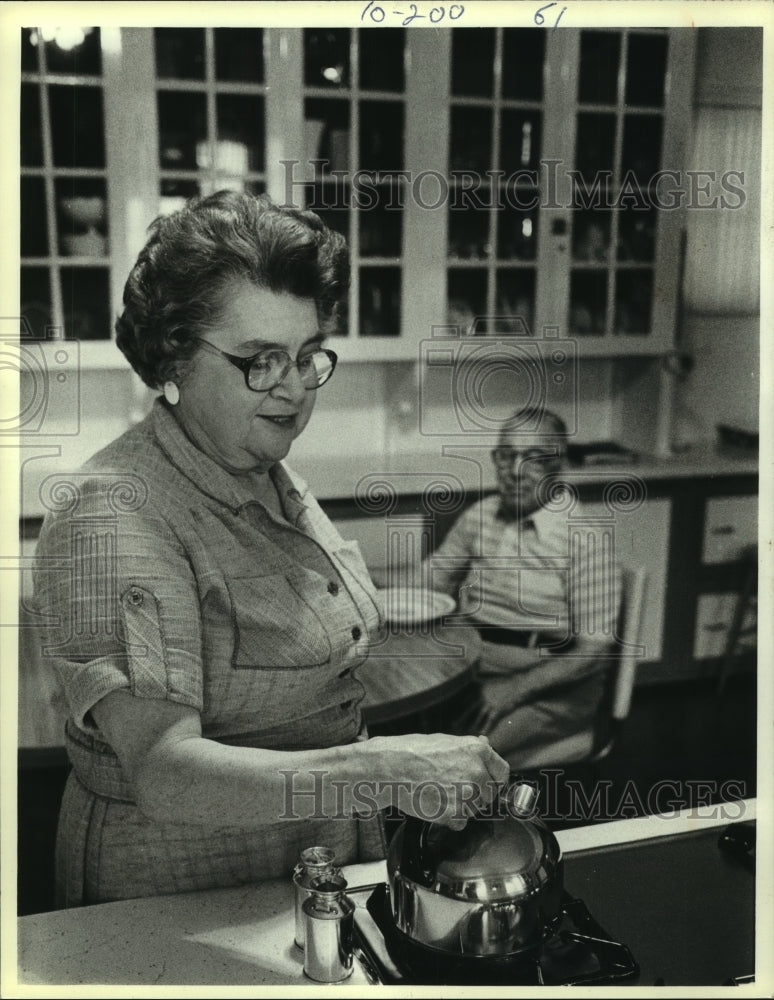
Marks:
<point>118,604</point>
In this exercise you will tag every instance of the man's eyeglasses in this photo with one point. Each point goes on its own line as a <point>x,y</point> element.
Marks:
<point>268,368</point>
<point>504,458</point>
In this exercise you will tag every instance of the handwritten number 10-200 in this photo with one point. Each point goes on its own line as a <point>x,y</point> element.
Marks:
<point>436,14</point>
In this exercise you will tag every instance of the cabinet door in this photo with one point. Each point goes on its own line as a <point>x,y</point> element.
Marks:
<point>66,235</point>
<point>642,539</point>
<point>730,527</point>
<point>609,254</point>
<point>714,614</point>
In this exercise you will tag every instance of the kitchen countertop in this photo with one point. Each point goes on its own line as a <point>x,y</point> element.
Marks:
<point>244,936</point>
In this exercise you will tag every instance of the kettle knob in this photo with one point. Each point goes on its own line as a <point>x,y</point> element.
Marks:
<point>521,798</point>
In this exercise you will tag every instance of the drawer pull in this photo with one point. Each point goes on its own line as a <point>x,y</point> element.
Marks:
<point>724,529</point>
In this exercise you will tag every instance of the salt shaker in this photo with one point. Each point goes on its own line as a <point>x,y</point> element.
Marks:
<point>328,927</point>
<point>314,861</point>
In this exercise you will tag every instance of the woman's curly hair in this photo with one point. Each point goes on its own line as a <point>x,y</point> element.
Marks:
<point>175,290</point>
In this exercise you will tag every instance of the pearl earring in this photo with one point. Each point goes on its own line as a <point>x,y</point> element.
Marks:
<point>171,393</point>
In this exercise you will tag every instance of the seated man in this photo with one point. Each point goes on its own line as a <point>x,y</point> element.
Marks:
<point>538,580</point>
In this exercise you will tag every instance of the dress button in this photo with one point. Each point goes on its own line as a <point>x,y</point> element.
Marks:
<point>356,633</point>
<point>333,588</point>
<point>135,596</point>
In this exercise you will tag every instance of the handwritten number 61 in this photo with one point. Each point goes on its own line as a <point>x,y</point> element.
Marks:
<point>540,20</point>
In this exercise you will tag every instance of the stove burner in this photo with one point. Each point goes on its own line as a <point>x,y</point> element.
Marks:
<point>580,952</point>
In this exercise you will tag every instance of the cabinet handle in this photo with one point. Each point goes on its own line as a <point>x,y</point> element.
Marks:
<point>724,529</point>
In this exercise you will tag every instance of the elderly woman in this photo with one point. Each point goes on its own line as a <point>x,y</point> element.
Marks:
<point>211,617</point>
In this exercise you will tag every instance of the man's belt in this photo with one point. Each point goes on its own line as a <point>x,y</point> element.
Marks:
<point>527,638</point>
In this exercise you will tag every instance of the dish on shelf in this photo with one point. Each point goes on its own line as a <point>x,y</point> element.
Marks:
<point>411,606</point>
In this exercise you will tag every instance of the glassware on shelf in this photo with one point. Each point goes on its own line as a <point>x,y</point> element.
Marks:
<point>182,127</point>
<point>591,236</point>
<point>326,57</point>
<point>588,302</point>
<point>81,204</point>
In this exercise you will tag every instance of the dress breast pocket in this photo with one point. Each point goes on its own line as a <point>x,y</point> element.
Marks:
<point>274,626</point>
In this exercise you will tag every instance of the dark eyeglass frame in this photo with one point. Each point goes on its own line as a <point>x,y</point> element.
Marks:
<point>245,364</point>
<point>536,456</point>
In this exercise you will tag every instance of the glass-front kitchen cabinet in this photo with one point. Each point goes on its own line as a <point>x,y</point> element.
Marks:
<point>500,180</point>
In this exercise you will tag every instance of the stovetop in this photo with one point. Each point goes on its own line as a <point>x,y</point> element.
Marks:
<point>578,952</point>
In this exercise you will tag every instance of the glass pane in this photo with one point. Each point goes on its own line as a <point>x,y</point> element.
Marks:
<point>381,228</point>
<point>646,71</point>
<point>466,299</point>
<point>86,302</point>
<point>36,299</point>
<point>380,301</point>
<point>182,128</point>
<point>595,144</point>
<point>81,217</point>
<point>31,139</point>
<point>515,300</point>
<point>381,135</point>
<point>637,235</point>
<point>591,236</point>
<point>239,54</point>
<point>600,56</point>
<point>29,50</point>
<point>633,301</point>
<point>74,50</point>
<point>180,53</point>
<point>588,302</point>
<point>520,134</point>
<point>77,126</point>
<point>641,147</point>
<point>473,51</point>
<point>34,228</point>
<point>326,57</point>
<point>517,231</point>
<point>240,134</point>
<point>381,63</point>
<point>175,193</point>
<point>471,139</point>
<point>523,57</point>
<point>469,233</point>
<point>326,133</point>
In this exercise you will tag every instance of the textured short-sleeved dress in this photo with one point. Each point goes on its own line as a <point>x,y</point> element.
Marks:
<point>159,572</point>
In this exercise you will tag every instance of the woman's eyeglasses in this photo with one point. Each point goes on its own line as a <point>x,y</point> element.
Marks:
<point>267,369</point>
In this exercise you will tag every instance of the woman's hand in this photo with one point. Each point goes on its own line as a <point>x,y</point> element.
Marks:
<point>440,778</point>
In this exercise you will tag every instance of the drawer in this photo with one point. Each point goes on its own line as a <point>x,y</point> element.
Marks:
<point>731,525</point>
<point>714,614</point>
